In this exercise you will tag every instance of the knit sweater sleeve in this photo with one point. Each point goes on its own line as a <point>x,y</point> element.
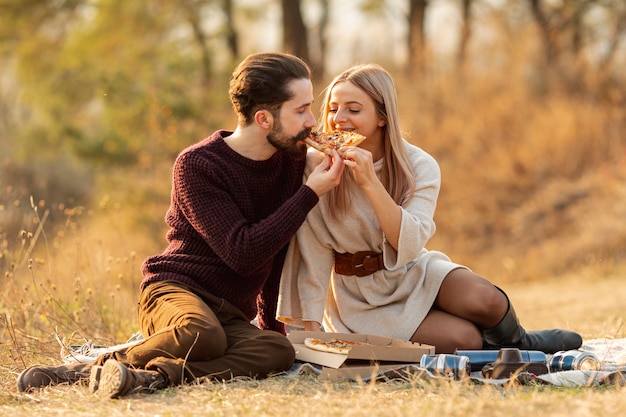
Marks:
<point>208,199</point>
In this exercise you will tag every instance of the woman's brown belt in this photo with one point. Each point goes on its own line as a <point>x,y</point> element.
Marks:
<point>360,263</point>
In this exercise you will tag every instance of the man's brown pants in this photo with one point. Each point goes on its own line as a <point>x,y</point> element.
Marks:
<point>191,334</point>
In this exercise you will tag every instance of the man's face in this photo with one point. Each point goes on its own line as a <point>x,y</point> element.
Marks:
<point>294,121</point>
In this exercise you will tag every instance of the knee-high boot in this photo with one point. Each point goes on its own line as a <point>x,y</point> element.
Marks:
<point>509,333</point>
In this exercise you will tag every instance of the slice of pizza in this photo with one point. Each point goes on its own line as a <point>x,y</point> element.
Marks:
<point>340,346</point>
<point>326,142</point>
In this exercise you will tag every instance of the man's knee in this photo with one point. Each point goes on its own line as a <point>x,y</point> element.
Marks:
<point>202,343</point>
<point>278,351</point>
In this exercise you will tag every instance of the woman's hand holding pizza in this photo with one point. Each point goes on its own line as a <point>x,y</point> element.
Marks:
<point>361,163</point>
<point>327,175</point>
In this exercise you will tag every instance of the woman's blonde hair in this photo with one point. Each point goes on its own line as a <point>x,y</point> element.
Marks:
<point>397,174</point>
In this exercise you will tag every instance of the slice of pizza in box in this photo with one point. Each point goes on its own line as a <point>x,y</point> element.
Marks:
<point>362,354</point>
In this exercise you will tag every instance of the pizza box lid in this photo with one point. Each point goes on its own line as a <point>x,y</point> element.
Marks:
<point>382,349</point>
<point>359,372</point>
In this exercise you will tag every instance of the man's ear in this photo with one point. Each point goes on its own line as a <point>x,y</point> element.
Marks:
<point>264,119</point>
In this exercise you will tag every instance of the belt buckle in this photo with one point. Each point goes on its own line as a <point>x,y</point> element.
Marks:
<point>358,266</point>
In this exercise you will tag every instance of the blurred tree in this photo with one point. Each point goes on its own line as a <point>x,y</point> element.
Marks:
<point>22,24</point>
<point>569,28</point>
<point>102,85</point>
<point>110,80</point>
<point>616,35</point>
<point>318,45</point>
<point>466,30</point>
<point>400,13</point>
<point>296,34</point>
<point>554,21</point>
<point>193,9</point>
<point>416,36</point>
<point>34,172</point>
<point>232,37</point>
<point>295,39</point>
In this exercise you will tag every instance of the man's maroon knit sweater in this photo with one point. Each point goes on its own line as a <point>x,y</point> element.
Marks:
<point>230,220</point>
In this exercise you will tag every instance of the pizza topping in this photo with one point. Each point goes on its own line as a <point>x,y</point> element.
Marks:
<point>326,142</point>
<point>332,345</point>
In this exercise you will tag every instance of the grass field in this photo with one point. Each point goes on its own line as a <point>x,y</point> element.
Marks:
<point>309,397</point>
<point>586,302</point>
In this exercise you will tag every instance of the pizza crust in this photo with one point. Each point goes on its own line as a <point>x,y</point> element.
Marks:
<point>340,346</point>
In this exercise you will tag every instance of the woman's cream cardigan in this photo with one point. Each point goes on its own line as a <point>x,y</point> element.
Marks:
<point>391,302</point>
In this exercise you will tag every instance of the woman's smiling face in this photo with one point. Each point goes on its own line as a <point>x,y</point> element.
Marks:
<point>351,108</point>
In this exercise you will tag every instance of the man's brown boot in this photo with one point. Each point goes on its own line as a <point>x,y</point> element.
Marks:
<point>116,380</point>
<point>42,376</point>
<point>94,378</point>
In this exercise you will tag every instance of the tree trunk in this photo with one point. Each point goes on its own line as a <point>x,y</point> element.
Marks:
<point>417,37</point>
<point>232,40</point>
<point>193,15</point>
<point>294,32</point>
<point>466,31</point>
<point>547,34</point>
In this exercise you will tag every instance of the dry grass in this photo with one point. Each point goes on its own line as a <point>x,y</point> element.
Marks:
<point>308,396</point>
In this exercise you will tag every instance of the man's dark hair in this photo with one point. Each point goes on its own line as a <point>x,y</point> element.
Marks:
<point>260,82</point>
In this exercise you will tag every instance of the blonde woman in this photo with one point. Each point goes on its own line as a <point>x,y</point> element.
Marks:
<point>359,263</point>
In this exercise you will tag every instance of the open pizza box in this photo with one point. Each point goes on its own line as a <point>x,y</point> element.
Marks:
<point>362,361</point>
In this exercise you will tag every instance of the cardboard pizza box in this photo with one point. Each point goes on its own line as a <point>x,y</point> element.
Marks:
<point>385,353</point>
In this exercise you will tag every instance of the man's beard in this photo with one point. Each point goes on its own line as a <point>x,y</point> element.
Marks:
<point>290,145</point>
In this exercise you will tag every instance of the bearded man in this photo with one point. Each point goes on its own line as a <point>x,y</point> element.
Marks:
<point>237,198</point>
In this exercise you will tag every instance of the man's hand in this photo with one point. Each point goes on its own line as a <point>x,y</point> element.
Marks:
<point>327,175</point>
